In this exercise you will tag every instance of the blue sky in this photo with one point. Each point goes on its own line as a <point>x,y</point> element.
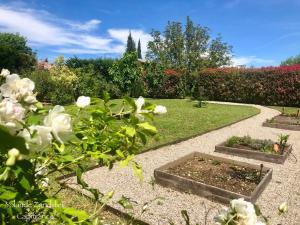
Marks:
<point>262,32</point>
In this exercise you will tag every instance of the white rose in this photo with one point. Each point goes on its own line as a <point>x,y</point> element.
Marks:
<point>59,122</point>
<point>44,182</point>
<point>13,155</point>
<point>30,99</point>
<point>18,89</point>
<point>222,216</point>
<point>160,109</point>
<point>283,207</point>
<point>260,223</point>
<point>245,211</point>
<point>83,101</point>
<point>11,114</point>
<point>139,104</point>
<point>4,73</point>
<point>42,137</point>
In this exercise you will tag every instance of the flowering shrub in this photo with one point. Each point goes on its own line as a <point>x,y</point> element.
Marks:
<point>239,212</point>
<point>267,86</point>
<point>64,83</point>
<point>30,151</point>
<point>161,83</point>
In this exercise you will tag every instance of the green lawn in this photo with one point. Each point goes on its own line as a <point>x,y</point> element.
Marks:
<point>183,120</point>
<point>288,110</point>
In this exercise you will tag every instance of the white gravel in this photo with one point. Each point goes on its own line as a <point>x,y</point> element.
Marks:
<point>285,184</point>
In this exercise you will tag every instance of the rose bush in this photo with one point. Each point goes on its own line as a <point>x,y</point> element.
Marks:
<point>30,151</point>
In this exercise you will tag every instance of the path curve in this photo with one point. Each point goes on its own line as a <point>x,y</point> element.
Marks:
<point>285,184</point>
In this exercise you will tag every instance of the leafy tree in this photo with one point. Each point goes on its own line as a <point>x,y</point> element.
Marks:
<point>127,73</point>
<point>196,43</point>
<point>15,55</point>
<point>189,49</point>
<point>219,53</point>
<point>100,65</point>
<point>139,50</point>
<point>291,61</point>
<point>130,44</point>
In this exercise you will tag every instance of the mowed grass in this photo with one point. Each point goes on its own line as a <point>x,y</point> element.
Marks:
<point>182,121</point>
<point>288,110</point>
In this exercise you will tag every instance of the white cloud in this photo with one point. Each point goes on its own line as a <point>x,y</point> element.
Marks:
<point>87,26</point>
<point>43,29</point>
<point>251,60</point>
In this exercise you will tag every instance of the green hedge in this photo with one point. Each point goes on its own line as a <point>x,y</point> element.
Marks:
<point>265,86</point>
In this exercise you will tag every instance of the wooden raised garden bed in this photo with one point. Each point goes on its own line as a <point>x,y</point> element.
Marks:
<point>252,153</point>
<point>284,122</point>
<point>216,178</point>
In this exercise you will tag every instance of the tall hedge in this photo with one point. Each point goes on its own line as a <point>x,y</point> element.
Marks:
<point>266,86</point>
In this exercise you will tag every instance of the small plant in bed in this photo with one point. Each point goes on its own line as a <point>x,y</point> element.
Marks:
<point>267,146</point>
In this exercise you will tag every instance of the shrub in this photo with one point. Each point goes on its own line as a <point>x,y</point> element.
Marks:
<point>88,82</point>
<point>267,86</point>
<point>163,83</point>
<point>126,73</point>
<point>101,65</point>
<point>43,84</point>
<point>64,81</point>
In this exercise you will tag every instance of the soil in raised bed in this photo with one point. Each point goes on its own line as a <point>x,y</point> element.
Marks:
<point>238,179</point>
<point>283,119</point>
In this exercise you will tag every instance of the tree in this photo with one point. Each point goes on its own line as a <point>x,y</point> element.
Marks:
<point>127,73</point>
<point>15,55</point>
<point>291,61</point>
<point>139,50</point>
<point>219,53</point>
<point>189,49</point>
<point>130,44</point>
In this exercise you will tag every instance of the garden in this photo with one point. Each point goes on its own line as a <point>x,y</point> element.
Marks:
<point>176,139</point>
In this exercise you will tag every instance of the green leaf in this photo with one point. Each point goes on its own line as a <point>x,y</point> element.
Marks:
<point>8,195</point>
<point>125,203</point>
<point>257,210</point>
<point>125,162</point>
<point>60,148</point>
<point>130,101</point>
<point>8,141</point>
<point>137,170</point>
<point>80,214</point>
<point>25,183</point>
<point>143,138</point>
<point>106,96</point>
<point>185,216</point>
<point>5,174</point>
<point>39,105</point>
<point>130,131</point>
<point>147,127</point>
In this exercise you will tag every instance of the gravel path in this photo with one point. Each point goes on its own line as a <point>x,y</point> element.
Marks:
<point>285,184</point>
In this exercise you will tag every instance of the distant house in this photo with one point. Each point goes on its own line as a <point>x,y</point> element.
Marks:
<point>44,65</point>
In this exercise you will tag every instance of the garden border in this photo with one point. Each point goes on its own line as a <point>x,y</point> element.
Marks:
<point>251,154</point>
<point>176,182</point>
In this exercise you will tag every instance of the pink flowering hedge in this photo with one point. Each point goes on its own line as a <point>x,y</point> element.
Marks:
<point>267,86</point>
